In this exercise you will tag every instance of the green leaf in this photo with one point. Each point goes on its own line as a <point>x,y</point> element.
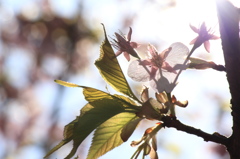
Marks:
<point>66,84</point>
<point>126,99</point>
<point>92,115</point>
<point>129,128</point>
<point>91,94</point>
<point>68,136</point>
<point>107,135</point>
<point>68,130</point>
<point>100,111</point>
<point>198,63</point>
<point>63,142</point>
<point>110,69</point>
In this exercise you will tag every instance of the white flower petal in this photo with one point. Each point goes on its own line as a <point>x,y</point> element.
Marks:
<point>177,56</point>
<point>138,72</point>
<point>165,80</point>
<point>169,75</point>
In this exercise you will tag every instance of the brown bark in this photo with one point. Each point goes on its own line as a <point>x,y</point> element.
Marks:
<point>172,122</point>
<point>228,16</point>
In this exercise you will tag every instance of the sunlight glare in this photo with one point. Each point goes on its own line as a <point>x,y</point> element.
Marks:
<point>236,3</point>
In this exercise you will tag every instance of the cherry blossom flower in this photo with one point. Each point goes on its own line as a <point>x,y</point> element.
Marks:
<point>203,37</point>
<point>161,69</point>
<point>125,46</point>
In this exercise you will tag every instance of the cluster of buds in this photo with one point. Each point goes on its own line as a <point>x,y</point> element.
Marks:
<point>154,109</point>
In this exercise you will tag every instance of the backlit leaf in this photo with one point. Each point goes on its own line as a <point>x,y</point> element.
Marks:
<point>129,128</point>
<point>96,112</point>
<point>63,142</point>
<point>67,134</point>
<point>66,84</point>
<point>91,94</point>
<point>110,69</point>
<point>107,135</point>
<point>127,102</point>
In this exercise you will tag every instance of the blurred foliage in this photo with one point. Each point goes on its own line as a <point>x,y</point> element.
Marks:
<point>56,47</point>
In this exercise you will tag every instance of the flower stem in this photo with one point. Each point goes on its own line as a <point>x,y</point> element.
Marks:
<point>185,62</point>
<point>172,106</point>
<point>136,154</point>
<point>191,52</point>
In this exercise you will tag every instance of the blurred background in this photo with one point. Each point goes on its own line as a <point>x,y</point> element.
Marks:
<point>43,40</point>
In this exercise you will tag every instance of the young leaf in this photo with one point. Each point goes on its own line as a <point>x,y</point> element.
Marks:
<point>107,135</point>
<point>197,63</point>
<point>111,70</point>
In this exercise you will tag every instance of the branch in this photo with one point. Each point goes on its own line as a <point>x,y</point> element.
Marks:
<point>174,123</point>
